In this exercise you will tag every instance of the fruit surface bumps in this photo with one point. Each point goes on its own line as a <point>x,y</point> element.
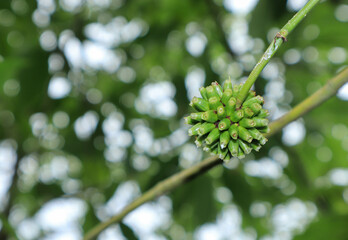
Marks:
<point>221,128</point>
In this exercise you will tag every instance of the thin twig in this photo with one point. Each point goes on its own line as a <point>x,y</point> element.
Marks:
<point>186,175</point>
<point>158,190</point>
<point>320,96</point>
<point>272,49</point>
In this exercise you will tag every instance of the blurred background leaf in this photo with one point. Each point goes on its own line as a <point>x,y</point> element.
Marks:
<point>91,104</point>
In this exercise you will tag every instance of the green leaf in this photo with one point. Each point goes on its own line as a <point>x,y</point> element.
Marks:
<point>128,232</point>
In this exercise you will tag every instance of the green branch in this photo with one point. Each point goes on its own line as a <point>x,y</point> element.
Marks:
<point>272,49</point>
<point>158,190</point>
<point>186,175</point>
<point>320,96</point>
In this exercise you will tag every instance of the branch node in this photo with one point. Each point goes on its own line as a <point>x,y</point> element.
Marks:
<point>279,35</point>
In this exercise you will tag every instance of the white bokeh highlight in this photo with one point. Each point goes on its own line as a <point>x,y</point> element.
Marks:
<point>59,87</point>
<point>194,79</point>
<point>294,133</point>
<point>240,7</point>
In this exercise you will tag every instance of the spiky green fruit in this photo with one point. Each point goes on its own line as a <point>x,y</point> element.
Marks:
<point>222,129</point>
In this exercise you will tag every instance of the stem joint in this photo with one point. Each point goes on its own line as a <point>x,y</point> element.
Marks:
<point>280,35</point>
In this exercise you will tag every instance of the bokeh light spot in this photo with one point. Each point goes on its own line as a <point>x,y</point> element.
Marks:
<point>292,56</point>
<point>11,87</point>
<point>295,5</point>
<point>337,55</point>
<point>342,93</point>
<point>341,13</point>
<point>240,7</point>
<point>324,154</point>
<point>85,125</point>
<point>59,87</point>
<point>94,96</point>
<point>61,119</point>
<point>48,40</point>
<point>293,133</point>
<point>311,32</point>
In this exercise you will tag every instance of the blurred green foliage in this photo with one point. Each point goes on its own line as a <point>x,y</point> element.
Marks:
<point>151,42</point>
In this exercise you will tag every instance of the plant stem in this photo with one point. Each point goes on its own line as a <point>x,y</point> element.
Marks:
<point>158,190</point>
<point>272,49</point>
<point>320,96</point>
<point>324,93</point>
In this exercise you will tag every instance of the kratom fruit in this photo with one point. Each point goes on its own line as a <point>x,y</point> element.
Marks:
<point>223,129</point>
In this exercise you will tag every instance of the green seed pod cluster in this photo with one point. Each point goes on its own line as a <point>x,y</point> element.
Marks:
<point>223,129</point>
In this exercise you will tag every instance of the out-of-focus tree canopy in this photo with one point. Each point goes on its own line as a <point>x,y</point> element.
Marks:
<point>92,96</point>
